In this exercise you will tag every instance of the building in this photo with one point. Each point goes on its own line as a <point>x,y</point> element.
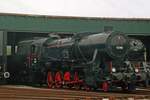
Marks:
<point>16,27</point>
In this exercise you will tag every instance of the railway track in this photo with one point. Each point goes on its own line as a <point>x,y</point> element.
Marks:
<point>30,93</point>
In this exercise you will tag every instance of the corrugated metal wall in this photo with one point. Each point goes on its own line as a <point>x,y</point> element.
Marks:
<point>63,24</point>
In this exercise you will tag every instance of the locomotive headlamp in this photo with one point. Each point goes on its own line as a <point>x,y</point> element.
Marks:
<point>136,70</point>
<point>119,47</point>
<point>113,69</point>
<point>34,60</point>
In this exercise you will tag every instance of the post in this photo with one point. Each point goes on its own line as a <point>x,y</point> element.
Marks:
<point>3,55</point>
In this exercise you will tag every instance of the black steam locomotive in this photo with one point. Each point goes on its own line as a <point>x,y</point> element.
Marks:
<point>94,61</point>
<point>137,59</point>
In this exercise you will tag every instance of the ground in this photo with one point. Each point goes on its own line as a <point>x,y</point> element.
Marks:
<point>8,92</point>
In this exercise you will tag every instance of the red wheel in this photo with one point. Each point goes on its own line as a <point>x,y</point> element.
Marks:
<point>58,80</point>
<point>77,85</point>
<point>105,86</point>
<point>49,80</point>
<point>67,79</point>
<point>67,76</point>
<point>76,77</point>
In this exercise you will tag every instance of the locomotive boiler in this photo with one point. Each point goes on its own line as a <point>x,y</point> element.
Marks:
<point>76,61</point>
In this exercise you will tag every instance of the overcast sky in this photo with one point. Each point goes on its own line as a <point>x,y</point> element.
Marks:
<point>84,8</point>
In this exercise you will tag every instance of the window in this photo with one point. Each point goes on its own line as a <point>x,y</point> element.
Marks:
<point>9,50</point>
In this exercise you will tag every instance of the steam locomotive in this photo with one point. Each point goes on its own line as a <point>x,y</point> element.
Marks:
<point>94,61</point>
<point>137,58</point>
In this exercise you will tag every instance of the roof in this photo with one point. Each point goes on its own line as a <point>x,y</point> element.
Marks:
<point>74,17</point>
